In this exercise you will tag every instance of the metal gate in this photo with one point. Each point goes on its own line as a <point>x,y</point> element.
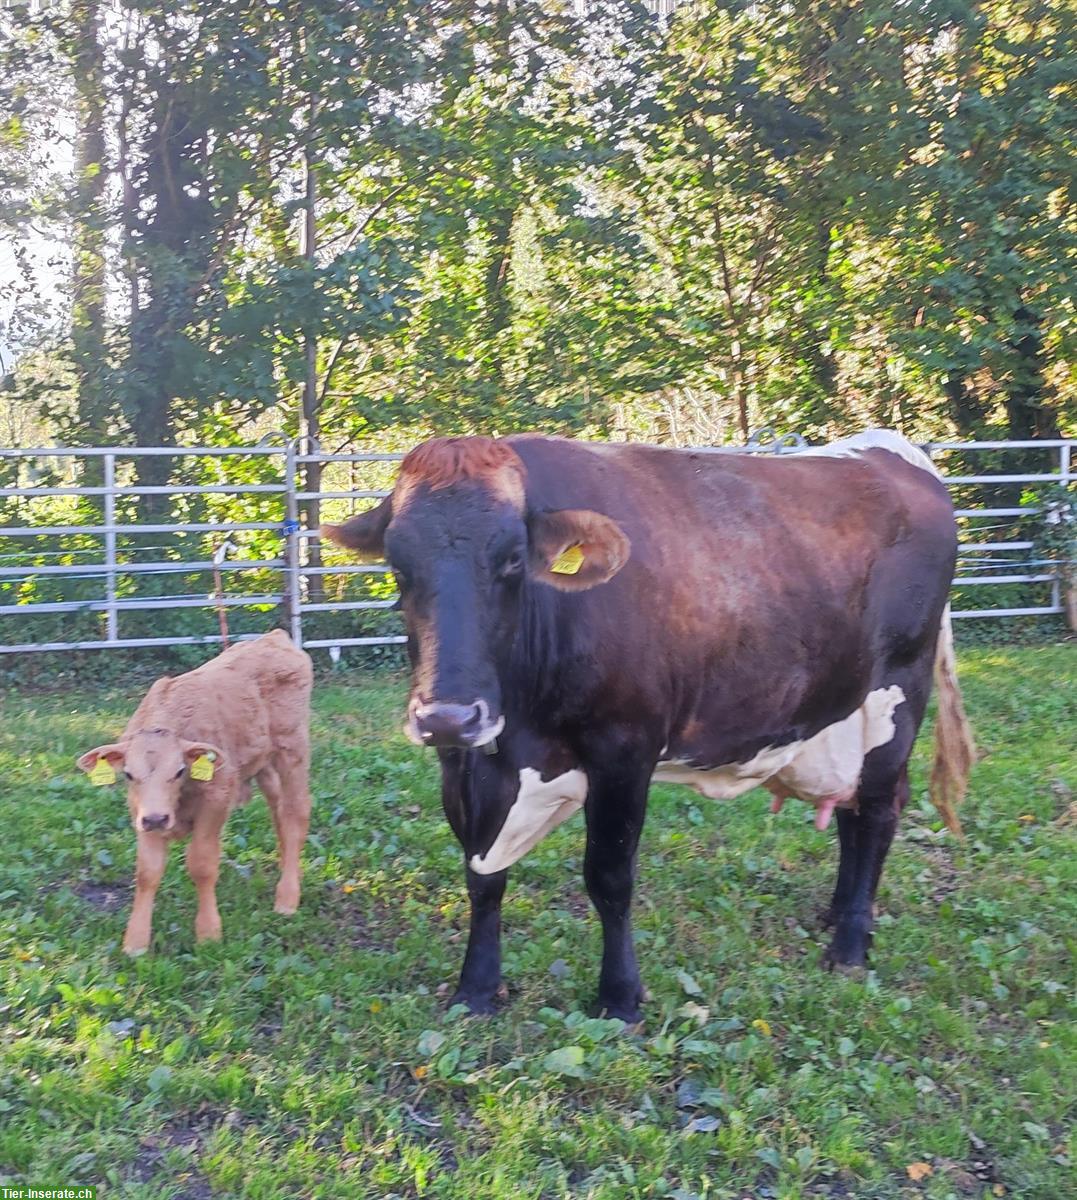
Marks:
<point>70,521</point>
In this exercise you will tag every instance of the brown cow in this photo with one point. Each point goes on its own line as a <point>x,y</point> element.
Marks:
<point>190,753</point>
<point>583,619</point>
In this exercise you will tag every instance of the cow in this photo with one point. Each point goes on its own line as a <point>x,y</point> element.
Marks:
<point>583,619</point>
<point>190,753</point>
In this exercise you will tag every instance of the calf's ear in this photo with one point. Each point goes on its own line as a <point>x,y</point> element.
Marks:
<point>113,754</point>
<point>364,535</point>
<point>575,549</point>
<point>193,750</point>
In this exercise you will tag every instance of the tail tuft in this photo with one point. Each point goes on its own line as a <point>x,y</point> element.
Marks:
<point>955,748</point>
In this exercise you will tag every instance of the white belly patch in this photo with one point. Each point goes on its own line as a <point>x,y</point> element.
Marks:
<point>824,770</point>
<point>539,807</point>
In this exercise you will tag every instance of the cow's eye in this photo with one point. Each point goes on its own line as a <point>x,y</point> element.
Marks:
<point>511,564</point>
<point>128,775</point>
<point>179,773</point>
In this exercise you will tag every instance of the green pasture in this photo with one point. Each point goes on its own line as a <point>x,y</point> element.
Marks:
<point>314,1056</point>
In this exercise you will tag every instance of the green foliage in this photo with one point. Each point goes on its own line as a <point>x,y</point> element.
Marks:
<point>537,215</point>
<point>314,1055</point>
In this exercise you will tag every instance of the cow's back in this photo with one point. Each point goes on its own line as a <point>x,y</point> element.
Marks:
<point>767,580</point>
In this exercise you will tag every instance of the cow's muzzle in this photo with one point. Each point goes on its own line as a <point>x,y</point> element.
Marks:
<point>456,726</point>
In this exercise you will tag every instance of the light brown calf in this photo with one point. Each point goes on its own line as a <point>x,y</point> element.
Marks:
<point>190,753</point>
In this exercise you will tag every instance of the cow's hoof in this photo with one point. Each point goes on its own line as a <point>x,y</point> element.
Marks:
<point>285,910</point>
<point>477,1006</point>
<point>629,1011</point>
<point>632,1017</point>
<point>135,951</point>
<point>212,934</point>
<point>850,968</point>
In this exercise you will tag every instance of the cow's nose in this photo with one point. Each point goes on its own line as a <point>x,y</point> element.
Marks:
<point>458,725</point>
<point>157,821</point>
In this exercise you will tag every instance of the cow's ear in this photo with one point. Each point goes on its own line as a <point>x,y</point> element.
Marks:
<point>113,754</point>
<point>575,549</point>
<point>363,535</point>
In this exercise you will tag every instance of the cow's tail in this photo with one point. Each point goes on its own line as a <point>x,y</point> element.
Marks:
<point>955,748</point>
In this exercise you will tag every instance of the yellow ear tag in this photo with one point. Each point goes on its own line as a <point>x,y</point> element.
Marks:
<point>568,562</point>
<point>202,768</point>
<point>103,773</point>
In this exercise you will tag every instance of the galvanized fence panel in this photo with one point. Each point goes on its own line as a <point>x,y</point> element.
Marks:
<point>294,580</point>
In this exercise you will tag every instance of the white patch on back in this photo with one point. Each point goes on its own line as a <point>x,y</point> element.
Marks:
<point>874,439</point>
<point>826,767</point>
<point>539,807</point>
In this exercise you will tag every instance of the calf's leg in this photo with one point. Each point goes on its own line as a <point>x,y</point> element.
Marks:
<point>615,809</point>
<point>203,866</point>
<point>151,860</point>
<point>288,796</point>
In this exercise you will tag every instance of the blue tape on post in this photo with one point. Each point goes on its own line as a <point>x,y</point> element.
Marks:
<point>290,526</point>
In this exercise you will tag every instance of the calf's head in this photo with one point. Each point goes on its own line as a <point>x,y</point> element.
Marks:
<point>155,764</point>
<point>464,545</point>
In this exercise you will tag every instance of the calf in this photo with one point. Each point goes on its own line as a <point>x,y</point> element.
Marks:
<point>190,753</point>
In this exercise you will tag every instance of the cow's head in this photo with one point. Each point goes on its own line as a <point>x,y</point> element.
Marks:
<point>155,763</point>
<point>464,543</point>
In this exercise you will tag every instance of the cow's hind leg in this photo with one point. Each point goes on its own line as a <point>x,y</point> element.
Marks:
<point>865,838</point>
<point>615,810</point>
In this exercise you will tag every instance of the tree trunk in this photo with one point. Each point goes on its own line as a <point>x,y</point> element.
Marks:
<point>176,241</point>
<point>310,414</point>
<point>1027,413</point>
<point>88,250</point>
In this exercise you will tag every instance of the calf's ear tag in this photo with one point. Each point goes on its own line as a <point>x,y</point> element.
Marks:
<point>569,561</point>
<point>202,768</point>
<point>103,773</point>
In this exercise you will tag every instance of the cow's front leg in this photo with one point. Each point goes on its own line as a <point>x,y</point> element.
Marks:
<point>480,978</point>
<point>615,810</point>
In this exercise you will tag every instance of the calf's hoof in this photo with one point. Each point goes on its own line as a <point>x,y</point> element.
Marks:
<point>286,901</point>
<point>207,933</point>
<point>135,949</point>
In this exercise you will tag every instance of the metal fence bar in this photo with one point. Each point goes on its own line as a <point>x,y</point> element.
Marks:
<point>208,489</point>
<point>111,627</point>
<point>106,564</point>
<point>1064,453</point>
<point>137,604</point>
<point>146,568</point>
<point>291,547</point>
<point>976,613</point>
<point>138,451</point>
<point>128,643</point>
<point>213,527</point>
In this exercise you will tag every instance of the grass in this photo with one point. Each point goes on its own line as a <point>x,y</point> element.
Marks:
<point>313,1056</point>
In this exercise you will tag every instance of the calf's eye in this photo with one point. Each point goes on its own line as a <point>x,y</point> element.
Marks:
<point>128,775</point>
<point>512,563</point>
<point>179,773</point>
